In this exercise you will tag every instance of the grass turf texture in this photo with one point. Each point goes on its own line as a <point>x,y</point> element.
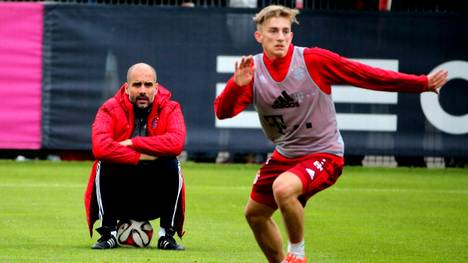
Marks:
<point>370,215</point>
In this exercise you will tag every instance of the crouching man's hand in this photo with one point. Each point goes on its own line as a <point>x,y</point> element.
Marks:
<point>147,157</point>
<point>143,157</point>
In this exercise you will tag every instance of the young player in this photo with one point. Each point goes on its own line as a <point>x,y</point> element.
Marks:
<point>290,87</point>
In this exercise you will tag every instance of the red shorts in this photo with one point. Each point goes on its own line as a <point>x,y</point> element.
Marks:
<point>317,171</point>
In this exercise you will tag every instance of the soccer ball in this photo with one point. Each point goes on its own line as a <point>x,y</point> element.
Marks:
<point>131,233</point>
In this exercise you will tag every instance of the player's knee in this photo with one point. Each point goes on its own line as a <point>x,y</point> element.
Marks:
<point>253,217</point>
<point>283,190</point>
<point>250,215</point>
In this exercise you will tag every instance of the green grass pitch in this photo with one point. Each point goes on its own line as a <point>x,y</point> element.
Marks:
<point>370,215</point>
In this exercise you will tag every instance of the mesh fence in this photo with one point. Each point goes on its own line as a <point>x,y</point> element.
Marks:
<point>331,5</point>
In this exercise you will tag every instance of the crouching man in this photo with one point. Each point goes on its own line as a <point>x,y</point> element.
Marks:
<point>136,138</point>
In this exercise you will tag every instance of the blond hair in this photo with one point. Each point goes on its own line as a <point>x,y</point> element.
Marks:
<point>275,11</point>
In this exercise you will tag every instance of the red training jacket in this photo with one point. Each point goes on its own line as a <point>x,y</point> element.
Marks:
<point>114,123</point>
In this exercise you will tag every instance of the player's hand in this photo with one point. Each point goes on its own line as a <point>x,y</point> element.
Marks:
<point>436,80</point>
<point>244,71</point>
<point>127,142</point>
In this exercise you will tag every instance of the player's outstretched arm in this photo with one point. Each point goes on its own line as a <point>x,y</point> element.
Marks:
<point>436,80</point>
<point>244,71</point>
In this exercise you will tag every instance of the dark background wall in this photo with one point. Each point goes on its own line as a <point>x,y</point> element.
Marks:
<point>88,50</point>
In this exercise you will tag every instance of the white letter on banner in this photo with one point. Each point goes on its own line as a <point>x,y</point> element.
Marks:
<point>431,107</point>
<point>246,119</point>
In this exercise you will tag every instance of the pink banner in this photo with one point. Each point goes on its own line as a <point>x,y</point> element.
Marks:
<point>20,75</point>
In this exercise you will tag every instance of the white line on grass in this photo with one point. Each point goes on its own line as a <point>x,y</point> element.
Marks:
<point>398,190</point>
<point>393,190</point>
<point>40,185</point>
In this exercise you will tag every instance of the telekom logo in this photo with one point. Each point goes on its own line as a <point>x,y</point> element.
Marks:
<point>381,122</point>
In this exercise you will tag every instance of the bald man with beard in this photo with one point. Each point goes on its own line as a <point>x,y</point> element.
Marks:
<point>136,138</point>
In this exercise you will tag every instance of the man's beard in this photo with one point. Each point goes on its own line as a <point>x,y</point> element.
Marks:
<point>139,98</point>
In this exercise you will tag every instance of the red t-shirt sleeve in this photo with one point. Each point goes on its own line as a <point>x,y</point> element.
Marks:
<point>233,99</point>
<point>327,68</point>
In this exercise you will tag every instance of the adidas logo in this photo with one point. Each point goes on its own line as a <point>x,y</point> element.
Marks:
<point>284,101</point>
